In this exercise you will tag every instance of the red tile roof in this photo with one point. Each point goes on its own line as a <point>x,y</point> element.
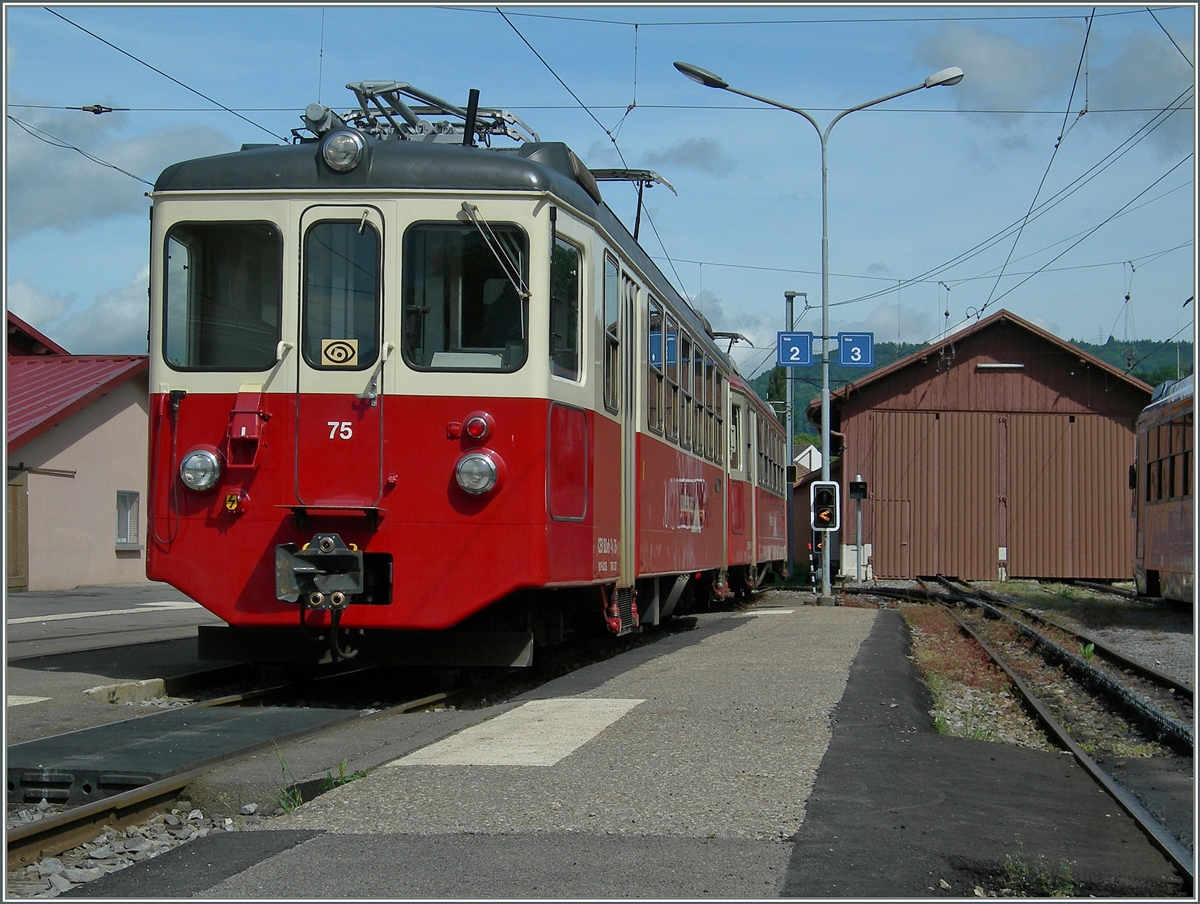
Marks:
<point>45,390</point>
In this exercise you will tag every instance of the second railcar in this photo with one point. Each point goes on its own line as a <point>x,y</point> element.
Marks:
<point>1162,483</point>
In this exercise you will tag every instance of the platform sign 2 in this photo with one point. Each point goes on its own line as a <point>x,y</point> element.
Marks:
<point>856,349</point>
<point>794,350</point>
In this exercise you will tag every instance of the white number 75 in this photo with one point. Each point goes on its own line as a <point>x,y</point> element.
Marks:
<point>339,429</point>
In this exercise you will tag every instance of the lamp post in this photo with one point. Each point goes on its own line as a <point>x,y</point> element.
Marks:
<point>791,431</point>
<point>951,76</point>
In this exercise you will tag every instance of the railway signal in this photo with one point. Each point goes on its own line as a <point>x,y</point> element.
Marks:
<point>825,504</point>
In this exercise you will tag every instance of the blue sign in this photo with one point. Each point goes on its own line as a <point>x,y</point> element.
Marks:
<point>794,350</point>
<point>856,349</point>
<point>656,348</point>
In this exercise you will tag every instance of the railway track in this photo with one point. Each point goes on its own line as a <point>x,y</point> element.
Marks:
<point>342,697</point>
<point>1128,724</point>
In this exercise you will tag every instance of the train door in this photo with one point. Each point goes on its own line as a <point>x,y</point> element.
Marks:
<point>629,484</point>
<point>340,360</point>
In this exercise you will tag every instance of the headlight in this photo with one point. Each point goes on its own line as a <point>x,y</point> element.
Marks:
<point>476,473</point>
<point>200,470</point>
<point>343,150</point>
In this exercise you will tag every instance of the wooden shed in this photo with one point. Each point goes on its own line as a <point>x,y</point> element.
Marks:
<point>1000,452</point>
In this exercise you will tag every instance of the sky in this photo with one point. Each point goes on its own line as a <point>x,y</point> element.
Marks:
<point>1057,180</point>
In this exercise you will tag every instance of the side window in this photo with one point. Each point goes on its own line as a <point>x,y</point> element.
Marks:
<point>710,426</point>
<point>564,310</point>
<point>671,401</point>
<point>128,504</point>
<point>463,308</point>
<point>719,409</point>
<point>612,342</point>
<point>735,437</point>
<point>341,295</point>
<point>698,422</point>
<point>685,389</point>
<point>654,387</point>
<point>222,295</point>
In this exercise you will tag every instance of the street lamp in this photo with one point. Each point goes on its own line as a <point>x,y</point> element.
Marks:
<point>791,430</point>
<point>951,76</point>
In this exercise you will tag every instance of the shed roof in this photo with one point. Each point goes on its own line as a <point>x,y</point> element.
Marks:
<point>45,390</point>
<point>1001,316</point>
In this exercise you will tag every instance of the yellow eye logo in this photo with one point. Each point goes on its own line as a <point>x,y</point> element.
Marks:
<point>339,352</point>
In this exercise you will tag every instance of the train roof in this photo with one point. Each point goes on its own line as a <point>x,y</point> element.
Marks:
<point>391,164</point>
<point>1172,391</point>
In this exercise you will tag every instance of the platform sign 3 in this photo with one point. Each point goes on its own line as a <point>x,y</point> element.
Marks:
<point>856,349</point>
<point>794,350</point>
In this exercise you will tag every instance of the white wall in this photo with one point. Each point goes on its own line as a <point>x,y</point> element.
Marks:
<point>73,520</point>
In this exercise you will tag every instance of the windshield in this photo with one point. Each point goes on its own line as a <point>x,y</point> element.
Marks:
<point>461,309</point>
<point>222,295</point>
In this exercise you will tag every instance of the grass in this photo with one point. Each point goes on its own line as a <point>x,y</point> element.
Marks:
<point>289,797</point>
<point>1033,878</point>
<point>342,778</point>
<point>954,667</point>
<point>941,649</point>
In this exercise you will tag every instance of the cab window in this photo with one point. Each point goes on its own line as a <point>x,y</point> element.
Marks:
<point>341,295</point>
<point>462,310</point>
<point>222,295</point>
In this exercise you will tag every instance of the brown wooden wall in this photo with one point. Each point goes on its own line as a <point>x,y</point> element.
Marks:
<point>979,472</point>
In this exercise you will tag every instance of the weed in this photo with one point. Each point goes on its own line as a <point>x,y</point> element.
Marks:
<point>289,794</point>
<point>1087,651</point>
<point>342,778</point>
<point>1026,878</point>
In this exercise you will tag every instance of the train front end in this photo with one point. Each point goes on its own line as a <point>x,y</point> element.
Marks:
<point>353,361</point>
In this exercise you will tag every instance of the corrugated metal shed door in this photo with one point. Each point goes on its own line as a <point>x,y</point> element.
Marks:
<point>1039,458</point>
<point>905,502</point>
<point>893,548</point>
<point>1062,473</point>
<point>969,487</point>
<point>937,494</point>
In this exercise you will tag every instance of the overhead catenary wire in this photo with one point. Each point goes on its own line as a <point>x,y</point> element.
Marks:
<point>1049,165</point>
<point>1100,166</point>
<point>824,20</point>
<point>605,129</point>
<point>1169,38</point>
<point>165,75</point>
<point>54,141</point>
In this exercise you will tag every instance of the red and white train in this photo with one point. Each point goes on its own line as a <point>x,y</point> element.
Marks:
<point>417,400</point>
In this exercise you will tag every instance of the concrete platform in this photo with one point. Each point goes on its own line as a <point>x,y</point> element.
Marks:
<point>731,762</point>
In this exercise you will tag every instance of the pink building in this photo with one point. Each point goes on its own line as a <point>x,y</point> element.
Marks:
<point>76,443</point>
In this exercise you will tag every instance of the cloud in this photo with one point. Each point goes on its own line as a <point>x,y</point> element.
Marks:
<point>1001,73</point>
<point>1145,73</point>
<point>1138,70</point>
<point>888,321</point>
<point>703,154</point>
<point>115,323</point>
<point>38,309</point>
<point>56,187</point>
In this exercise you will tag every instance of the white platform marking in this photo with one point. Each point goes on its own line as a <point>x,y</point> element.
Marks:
<point>16,700</point>
<point>141,607</point>
<point>537,733</point>
<point>767,612</point>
